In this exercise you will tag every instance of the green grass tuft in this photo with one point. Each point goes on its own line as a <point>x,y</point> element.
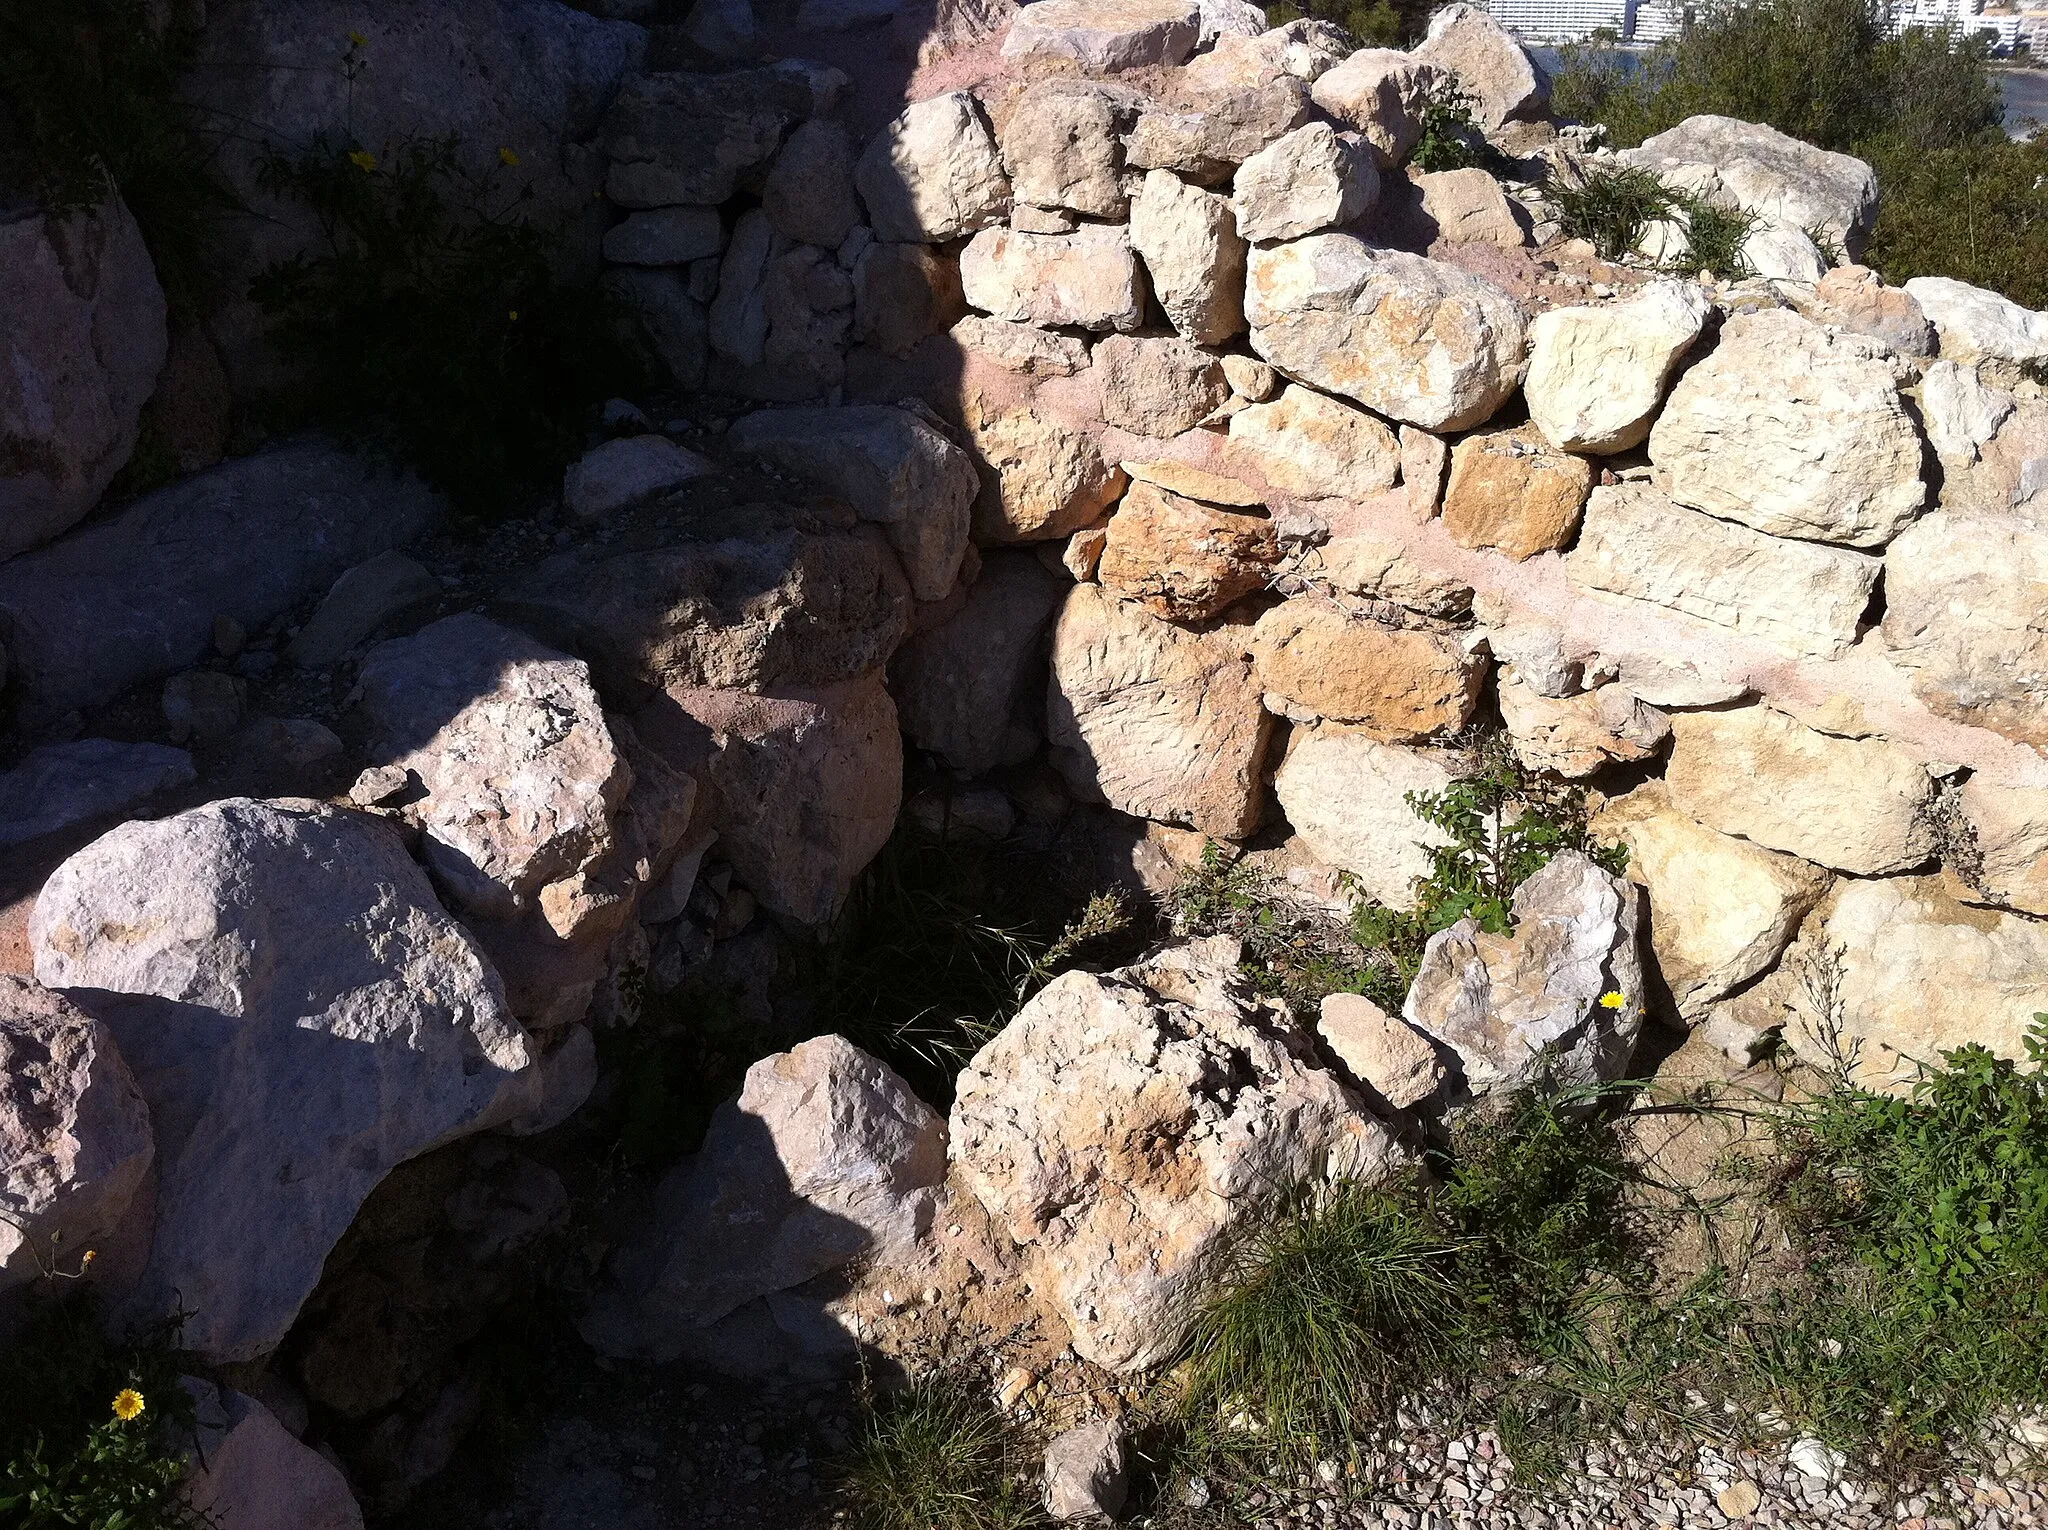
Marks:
<point>1613,209</point>
<point>936,1457</point>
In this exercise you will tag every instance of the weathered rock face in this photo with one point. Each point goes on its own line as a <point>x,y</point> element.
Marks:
<point>1512,491</point>
<point>902,293</point>
<point>1914,974</point>
<point>1302,49</point>
<point>1469,207</point>
<point>1313,178</point>
<point>1157,386</point>
<point>135,597</point>
<point>1194,255</point>
<point>934,173</point>
<point>1388,1056</point>
<point>1124,1122</point>
<point>249,1473</point>
<point>665,236</point>
<point>1505,84</point>
<point>1723,910</point>
<point>1381,569</point>
<point>1987,440</point>
<point>1381,93</point>
<point>809,194</point>
<point>2010,827</point>
<point>1963,613</point>
<point>1794,431</point>
<point>895,469</point>
<point>825,1157</point>
<point>627,472</point>
<point>677,138</point>
<point>969,689</point>
<point>84,337</point>
<point>1334,663</point>
<point>1160,722</point>
<point>802,787</point>
<point>1346,795</point>
<point>1063,148</point>
<point>1307,443</point>
<point>1577,735</point>
<point>301,1016</point>
<point>1856,805</point>
<point>1044,478</point>
<point>1413,339</point>
<point>1512,1005</point>
<point>1596,375</point>
<point>1973,325</point>
<point>782,608</point>
<point>1183,559</point>
<point>60,785</point>
<point>376,591</point>
<point>1085,1474</point>
<point>1089,278</point>
<point>75,1139</point>
<point>1106,35</point>
<point>509,740</point>
<point>1855,298</point>
<point>1021,349</point>
<point>1762,171</point>
<point>1232,125</point>
<point>1638,545</point>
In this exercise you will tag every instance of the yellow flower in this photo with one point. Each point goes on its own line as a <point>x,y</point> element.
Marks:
<point>357,40</point>
<point>127,1404</point>
<point>513,316</point>
<point>1613,999</point>
<point>507,158</point>
<point>90,1255</point>
<point>363,160</point>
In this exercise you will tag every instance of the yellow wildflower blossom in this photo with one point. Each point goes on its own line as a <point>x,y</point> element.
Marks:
<point>508,159</point>
<point>363,160</point>
<point>1613,999</point>
<point>127,1404</point>
<point>357,40</point>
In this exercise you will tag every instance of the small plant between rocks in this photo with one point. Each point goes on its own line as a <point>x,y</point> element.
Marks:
<point>938,1456</point>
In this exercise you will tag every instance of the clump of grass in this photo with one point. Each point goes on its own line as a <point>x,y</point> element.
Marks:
<point>1613,209</point>
<point>1714,237</point>
<point>937,1456</point>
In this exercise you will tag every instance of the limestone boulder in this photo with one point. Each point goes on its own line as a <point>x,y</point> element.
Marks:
<point>934,172</point>
<point>1206,141</point>
<point>825,1157</point>
<point>1794,431</point>
<point>1854,804</point>
<point>62,785</point>
<point>1194,255</point>
<point>665,236</point>
<point>1311,179</point>
<point>1346,794</point>
<point>627,472</point>
<point>1413,339</point>
<point>1307,443</point>
<point>1972,325</point>
<point>1425,462</point>
<point>808,194</point>
<point>75,1138</point>
<point>1399,685</point>
<point>969,689</point>
<point>1562,993</point>
<point>894,468</point>
<point>1389,1057</point>
<point>1380,94</point>
<point>1504,82</point>
<point>1085,1473</point>
<point>1090,278</point>
<point>1512,491</point>
<point>1103,36</point>
<point>1963,615</point>
<point>1768,173</point>
<point>376,592</point>
<point>2009,826</point>
<point>801,787</point>
<point>1157,386</point>
<point>1597,374</point>
<point>1637,545</point>
<point>903,293</point>
<point>1468,207</point>
<point>134,597</point>
<point>508,741</point>
<point>1722,910</point>
<point>1125,1122</point>
<point>1021,348</point>
<point>1182,559</point>
<point>1302,49</point>
<point>1381,568</point>
<point>301,1017</point>
<point>668,315</point>
<point>1063,147</point>
<point>1577,735</point>
<point>1913,974</point>
<point>1157,721</point>
<point>676,138</point>
<point>1855,298</point>
<point>1775,253</point>
<point>1989,442</point>
<point>776,608</point>
<point>249,1472</point>
<point>1041,477</point>
<point>84,337</point>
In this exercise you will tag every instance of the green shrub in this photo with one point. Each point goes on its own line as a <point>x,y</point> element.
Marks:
<point>1374,23</point>
<point>432,315</point>
<point>1614,208</point>
<point>1451,139</point>
<point>1714,237</point>
<point>936,1457</point>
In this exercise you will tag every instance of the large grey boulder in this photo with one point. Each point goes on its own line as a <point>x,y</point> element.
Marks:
<point>1563,991</point>
<point>1126,1122</point>
<point>779,608</point>
<point>1106,35</point>
<point>1090,279</point>
<point>301,1015</point>
<point>134,598</point>
<point>61,785</point>
<point>1206,142</point>
<point>967,689</point>
<point>1974,325</point>
<point>1504,82</point>
<point>934,172</point>
<point>1063,147</point>
<point>1766,172</point>
<point>825,1157</point>
<point>1597,374</point>
<point>894,468</point>
<point>82,339</point>
<point>1416,340</point>
<point>688,138</point>
<point>508,739</point>
<point>530,76</point>
<point>248,1472</point>
<point>75,1139</point>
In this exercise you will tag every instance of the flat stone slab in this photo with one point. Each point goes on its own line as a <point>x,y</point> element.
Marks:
<point>66,784</point>
<point>1106,34</point>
